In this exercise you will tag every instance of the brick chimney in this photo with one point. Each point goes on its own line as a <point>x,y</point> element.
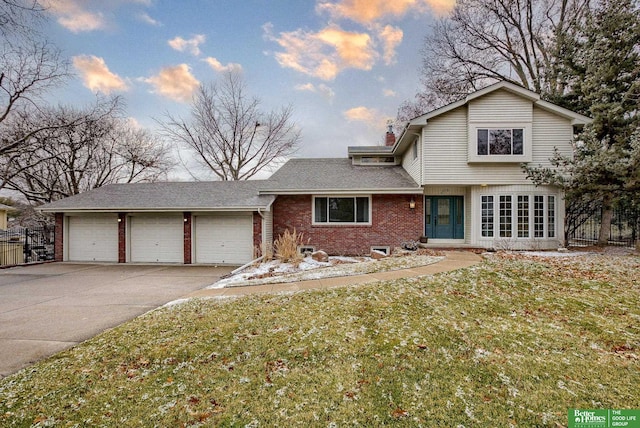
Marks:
<point>390,138</point>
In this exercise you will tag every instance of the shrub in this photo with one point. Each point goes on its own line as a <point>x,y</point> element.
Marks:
<point>286,247</point>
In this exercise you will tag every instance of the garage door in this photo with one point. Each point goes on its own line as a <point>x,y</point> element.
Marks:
<point>156,238</point>
<point>93,238</point>
<point>224,239</point>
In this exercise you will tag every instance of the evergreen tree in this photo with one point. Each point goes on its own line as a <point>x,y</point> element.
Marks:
<point>602,71</point>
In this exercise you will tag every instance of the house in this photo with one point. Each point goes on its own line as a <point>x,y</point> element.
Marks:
<point>453,175</point>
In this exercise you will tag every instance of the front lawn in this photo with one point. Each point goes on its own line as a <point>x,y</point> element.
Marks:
<point>513,341</point>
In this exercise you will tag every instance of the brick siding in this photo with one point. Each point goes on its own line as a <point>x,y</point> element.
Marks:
<point>392,223</point>
<point>122,237</point>
<point>58,246</point>
<point>187,237</point>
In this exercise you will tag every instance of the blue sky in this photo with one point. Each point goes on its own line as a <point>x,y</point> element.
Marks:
<point>345,65</point>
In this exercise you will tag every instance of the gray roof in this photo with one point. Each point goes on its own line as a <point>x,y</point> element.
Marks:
<point>297,176</point>
<point>338,175</point>
<point>168,196</point>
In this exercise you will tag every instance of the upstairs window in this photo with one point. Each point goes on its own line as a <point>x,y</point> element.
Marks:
<point>500,141</point>
<point>343,210</point>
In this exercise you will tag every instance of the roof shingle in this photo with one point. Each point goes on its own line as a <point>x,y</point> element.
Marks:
<point>204,195</point>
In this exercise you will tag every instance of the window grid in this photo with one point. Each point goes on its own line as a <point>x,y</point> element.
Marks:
<point>551,216</point>
<point>523,216</point>
<point>506,221</point>
<point>520,216</point>
<point>538,216</point>
<point>487,216</point>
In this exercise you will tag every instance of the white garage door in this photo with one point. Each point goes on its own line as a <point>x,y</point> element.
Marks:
<point>223,239</point>
<point>93,238</point>
<point>156,238</point>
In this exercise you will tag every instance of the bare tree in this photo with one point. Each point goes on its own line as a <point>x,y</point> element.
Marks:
<point>483,41</point>
<point>77,150</point>
<point>228,132</point>
<point>29,67</point>
<point>19,17</point>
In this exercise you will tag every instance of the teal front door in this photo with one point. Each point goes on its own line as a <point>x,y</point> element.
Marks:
<point>444,217</point>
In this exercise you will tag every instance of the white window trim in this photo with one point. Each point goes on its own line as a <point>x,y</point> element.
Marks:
<point>328,223</point>
<point>514,216</point>
<point>474,157</point>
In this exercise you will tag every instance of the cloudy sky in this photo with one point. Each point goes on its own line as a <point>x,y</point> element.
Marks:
<point>344,65</point>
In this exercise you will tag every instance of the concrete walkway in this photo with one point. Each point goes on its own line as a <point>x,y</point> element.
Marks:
<point>453,260</point>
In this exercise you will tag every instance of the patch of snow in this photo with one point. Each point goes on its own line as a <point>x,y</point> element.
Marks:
<point>554,253</point>
<point>309,269</point>
<point>175,303</point>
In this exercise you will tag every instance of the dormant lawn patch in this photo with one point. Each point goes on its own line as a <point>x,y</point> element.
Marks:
<point>514,341</point>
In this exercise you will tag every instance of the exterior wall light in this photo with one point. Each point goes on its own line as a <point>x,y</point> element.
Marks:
<point>412,204</point>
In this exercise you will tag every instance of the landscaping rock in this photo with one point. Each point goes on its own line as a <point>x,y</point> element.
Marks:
<point>320,256</point>
<point>377,255</point>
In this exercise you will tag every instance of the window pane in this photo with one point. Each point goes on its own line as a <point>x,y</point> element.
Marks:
<point>444,211</point>
<point>518,142</point>
<point>538,216</point>
<point>500,142</point>
<point>362,208</point>
<point>487,216</point>
<point>551,216</point>
<point>427,211</point>
<point>523,216</point>
<point>505,217</point>
<point>483,141</point>
<point>459,211</point>
<point>321,210</point>
<point>342,210</point>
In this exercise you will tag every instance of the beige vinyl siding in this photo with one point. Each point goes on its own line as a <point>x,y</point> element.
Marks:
<point>411,165</point>
<point>267,229</point>
<point>445,157</point>
<point>445,148</point>
<point>445,144</point>
<point>500,106</point>
<point>549,131</point>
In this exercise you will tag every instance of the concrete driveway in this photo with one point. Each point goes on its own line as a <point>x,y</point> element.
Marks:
<point>51,307</point>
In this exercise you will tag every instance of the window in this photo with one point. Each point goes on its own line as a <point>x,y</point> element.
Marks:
<point>523,216</point>
<point>551,216</point>
<point>506,221</point>
<point>500,141</point>
<point>538,216</point>
<point>341,210</point>
<point>375,159</point>
<point>487,216</point>
<point>414,149</point>
<point>519,216</point>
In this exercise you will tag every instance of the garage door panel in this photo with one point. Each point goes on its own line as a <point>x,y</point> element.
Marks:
<point>92,238</point>
<point>157,239</point>
<point>223,239</point>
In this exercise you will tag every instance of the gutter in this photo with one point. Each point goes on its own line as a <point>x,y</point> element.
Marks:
<point>403,191</point>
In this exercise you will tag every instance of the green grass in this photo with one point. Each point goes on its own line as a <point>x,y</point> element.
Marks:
<point>511,341</point>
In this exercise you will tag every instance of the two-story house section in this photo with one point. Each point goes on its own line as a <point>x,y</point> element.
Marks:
<point>468,157</point>
<point>454,175</point>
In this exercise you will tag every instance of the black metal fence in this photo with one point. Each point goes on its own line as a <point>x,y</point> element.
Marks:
<point>583,222</point>
<point>20,246</point>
